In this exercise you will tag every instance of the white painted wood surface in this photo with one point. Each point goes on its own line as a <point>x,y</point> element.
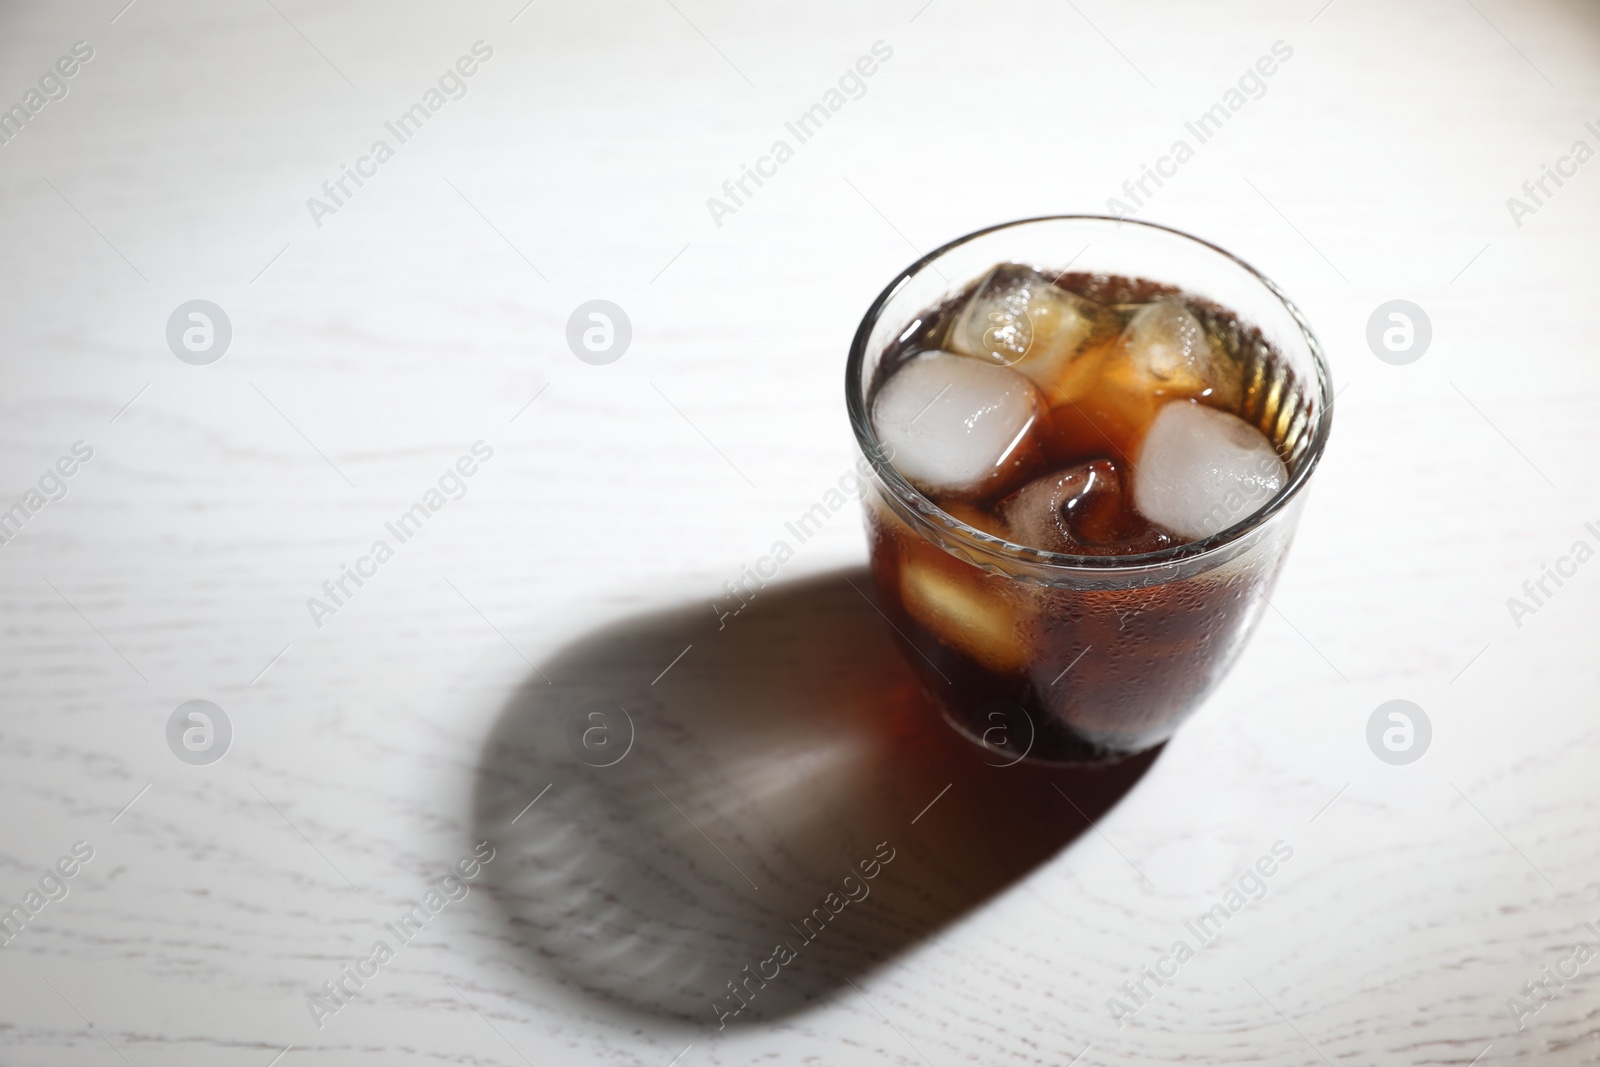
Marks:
<point>430,310</point>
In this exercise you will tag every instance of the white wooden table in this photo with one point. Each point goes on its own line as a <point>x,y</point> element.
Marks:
<point>375,340</point>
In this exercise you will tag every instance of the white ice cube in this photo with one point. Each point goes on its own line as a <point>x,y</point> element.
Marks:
<point>1081,511</point>
<point>1167,342</point>
<point>980,614</point>
<point>1201,470</point>
<point>1018,317</point>
<point>1045,512</point>
<point>952,423</point>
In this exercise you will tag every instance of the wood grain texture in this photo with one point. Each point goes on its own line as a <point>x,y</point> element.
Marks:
<point>429,313</point>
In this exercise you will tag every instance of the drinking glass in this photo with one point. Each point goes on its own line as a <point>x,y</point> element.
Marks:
<point>1067,659</point>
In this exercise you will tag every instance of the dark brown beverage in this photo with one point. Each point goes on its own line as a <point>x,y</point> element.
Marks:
<point>1114,425</point>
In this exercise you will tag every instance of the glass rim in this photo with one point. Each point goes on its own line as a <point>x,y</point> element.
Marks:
<point>987,543</point>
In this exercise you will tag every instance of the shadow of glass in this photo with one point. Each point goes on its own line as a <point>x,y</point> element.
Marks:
<point>779,810</point>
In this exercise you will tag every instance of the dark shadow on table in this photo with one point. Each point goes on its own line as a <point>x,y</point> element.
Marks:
<point>784,752</point>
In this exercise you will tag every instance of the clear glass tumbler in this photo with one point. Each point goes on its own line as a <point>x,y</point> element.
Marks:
<point>1085,659</point>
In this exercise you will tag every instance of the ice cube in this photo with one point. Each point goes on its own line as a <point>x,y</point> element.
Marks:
<point>1165,351</point>
<point>968,610</point>
<point>1201,470</point>
<point>954,424</point>
<point>1168,342</point>
<point>1083,511</point>
<point>1109,394</point>
<point>1019,317</point>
